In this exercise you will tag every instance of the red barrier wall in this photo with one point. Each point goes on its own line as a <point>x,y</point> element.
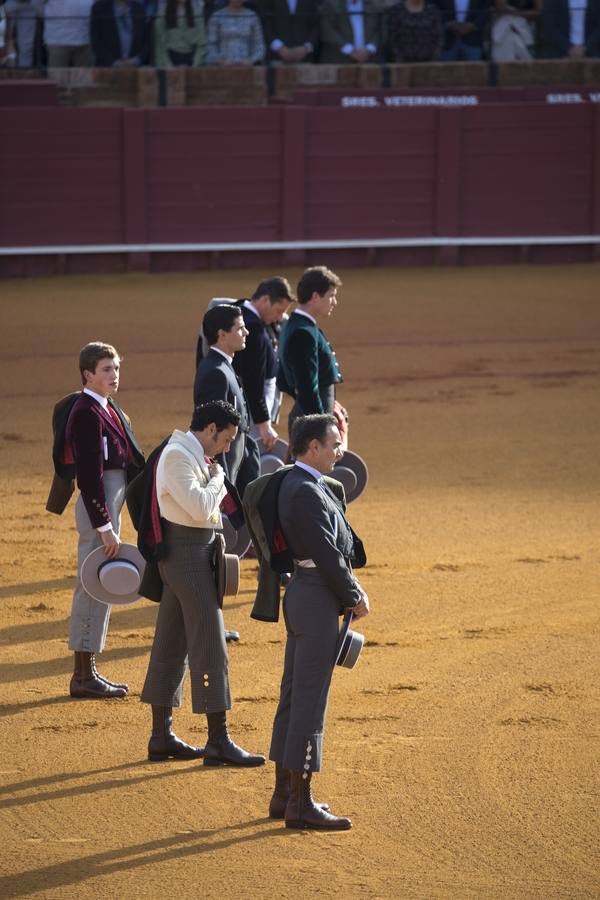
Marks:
<point>98,176</point>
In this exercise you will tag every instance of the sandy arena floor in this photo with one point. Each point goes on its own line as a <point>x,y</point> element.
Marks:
<point>465,743</point>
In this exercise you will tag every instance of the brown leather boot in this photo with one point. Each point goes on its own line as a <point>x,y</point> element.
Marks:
<point>301,810</point>
<point>87,683</point>
<point>164,744</point>
<point>281,793</point>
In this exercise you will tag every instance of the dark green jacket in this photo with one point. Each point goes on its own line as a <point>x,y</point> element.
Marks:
<point>306,363</point>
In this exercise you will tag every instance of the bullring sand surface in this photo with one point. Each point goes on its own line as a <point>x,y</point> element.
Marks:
<point>464,745</point>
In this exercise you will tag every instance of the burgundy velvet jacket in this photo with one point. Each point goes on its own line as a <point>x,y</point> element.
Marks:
<point>98,443</point>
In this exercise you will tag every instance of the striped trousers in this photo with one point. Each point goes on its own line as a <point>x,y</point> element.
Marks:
<point>189,627</point>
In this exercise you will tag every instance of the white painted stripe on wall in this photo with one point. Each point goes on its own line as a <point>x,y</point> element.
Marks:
<point>335,244</point>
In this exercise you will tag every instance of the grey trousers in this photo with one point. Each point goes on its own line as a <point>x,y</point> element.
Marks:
<point>311,614</point>
<point>189,627</point>
<point>89,617</point>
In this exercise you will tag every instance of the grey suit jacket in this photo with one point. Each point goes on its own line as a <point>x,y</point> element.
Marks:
<point>315,527</point>
<point>336,31</point>
<point>216,380</point>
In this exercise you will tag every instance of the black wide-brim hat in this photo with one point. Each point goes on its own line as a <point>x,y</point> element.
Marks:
<point>351,470</point>
<point>350,644</point>
<point>114,581</point>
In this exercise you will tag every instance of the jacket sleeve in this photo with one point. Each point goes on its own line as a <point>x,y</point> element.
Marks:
<point>330,31</point>
<point>86,440</point>
<point>302,356</point>
<point>251,366</point>
<point>312,516</point>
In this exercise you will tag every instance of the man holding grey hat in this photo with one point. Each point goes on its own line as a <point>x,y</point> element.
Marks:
<point>100,446</point>
<point>189,490</point>
<point>315,530</point>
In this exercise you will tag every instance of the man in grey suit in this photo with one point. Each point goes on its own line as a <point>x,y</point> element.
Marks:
<point>322,543</point>
<point>224,329</point>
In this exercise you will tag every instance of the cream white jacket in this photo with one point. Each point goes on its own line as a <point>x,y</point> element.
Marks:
<point>186,493</point>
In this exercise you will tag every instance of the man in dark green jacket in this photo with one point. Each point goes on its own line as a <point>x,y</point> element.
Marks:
<point>308,368</point>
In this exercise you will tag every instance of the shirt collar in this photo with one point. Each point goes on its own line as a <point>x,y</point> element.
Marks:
<point>103,401</point>
<point>248,305</point>
<point>318,476</point>
<point>222,352</point>
<point>303,312</point>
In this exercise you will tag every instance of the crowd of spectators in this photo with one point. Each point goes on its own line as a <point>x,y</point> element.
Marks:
<point>166,33</point>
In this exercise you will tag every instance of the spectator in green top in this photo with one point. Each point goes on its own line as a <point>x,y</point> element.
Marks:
<point>178,36</point>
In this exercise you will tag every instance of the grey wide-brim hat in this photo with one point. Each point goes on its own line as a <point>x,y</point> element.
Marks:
<point>113,581</point>
<point>352,472</point>
<point>273,459</point>
<point>227,570</point>
<point>350,644</point>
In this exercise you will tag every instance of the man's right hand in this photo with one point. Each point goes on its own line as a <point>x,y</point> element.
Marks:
<point>111,543</point>
<point>362,607</point>
<point>267,434</point>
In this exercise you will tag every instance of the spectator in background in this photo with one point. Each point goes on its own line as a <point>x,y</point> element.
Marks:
<point>291,29</point>
<point>350,32</point>
<point>235,36</point>
<point>23,15</point>
<point>465,25</point>
<point>67,33</point>
<point>119,33</point>
<point>178,36</point>
<point>414,30</point>
<point>513,30</point>
<point>5,38</point>
<point>571,28</point>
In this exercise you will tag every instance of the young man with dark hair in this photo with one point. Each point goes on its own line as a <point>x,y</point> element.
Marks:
<point>100,443</point>
<point>308,368</point>
<point>189,491</point>
<point>321,541</point>
<point>224,329</point>
<point>256,364</point>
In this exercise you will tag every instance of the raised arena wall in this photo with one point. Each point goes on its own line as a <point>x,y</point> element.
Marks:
<point>165,189</point>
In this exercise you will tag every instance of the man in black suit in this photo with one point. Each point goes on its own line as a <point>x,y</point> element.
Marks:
<point>323,585</point>
<point>224,329</point>
<point>256,364</point>
<point>291,29</point>
<point>119,33</point>
<point>574,33</point>
<point>464,29</point>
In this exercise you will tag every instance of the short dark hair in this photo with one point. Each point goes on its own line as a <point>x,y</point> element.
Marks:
<point>220,412</point>
<point>306,428</point>
<point>223,316</point>
<point>277,289</point>
<point>319,279</point>
<point>92,353</point>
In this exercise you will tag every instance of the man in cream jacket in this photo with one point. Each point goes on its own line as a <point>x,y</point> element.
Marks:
<point>189,629</point>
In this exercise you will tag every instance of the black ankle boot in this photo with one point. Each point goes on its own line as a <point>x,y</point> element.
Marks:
<point>302,811</point>
<point>220,749</point>
<point>164,744</point>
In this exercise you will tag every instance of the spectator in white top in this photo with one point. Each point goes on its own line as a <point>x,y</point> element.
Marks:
<point>67,33</point>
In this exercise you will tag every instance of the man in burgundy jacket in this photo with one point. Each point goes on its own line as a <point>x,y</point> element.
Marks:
<point>100,443</point>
